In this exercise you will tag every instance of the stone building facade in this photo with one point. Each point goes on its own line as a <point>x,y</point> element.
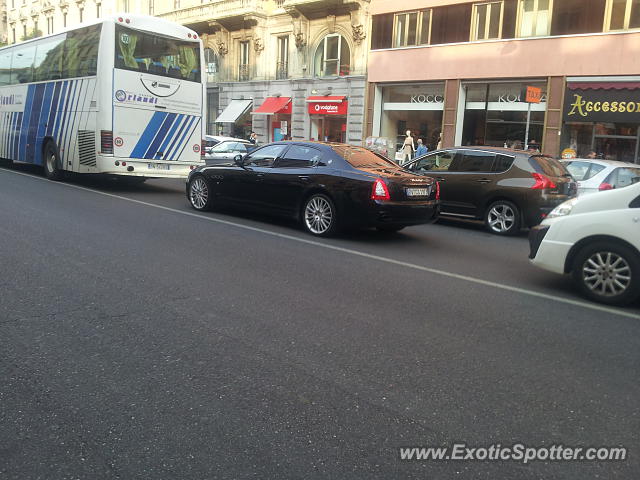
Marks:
<point>284,68</point>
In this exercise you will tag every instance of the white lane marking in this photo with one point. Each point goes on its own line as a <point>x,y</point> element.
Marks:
<point>435,271</point>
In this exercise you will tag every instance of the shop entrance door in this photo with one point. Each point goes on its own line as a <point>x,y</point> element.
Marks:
<point>329,129</point>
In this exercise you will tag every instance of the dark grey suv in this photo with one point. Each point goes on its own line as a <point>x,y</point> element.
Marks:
<point>507,189</point>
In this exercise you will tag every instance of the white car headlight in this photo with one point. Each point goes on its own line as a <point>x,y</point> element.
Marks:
<point>563,209</point>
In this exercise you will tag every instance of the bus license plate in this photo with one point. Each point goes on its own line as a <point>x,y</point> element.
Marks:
<point>417,192</point>
<point>159,166</point>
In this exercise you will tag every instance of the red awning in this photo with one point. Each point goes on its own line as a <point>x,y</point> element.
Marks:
<point>326,99</point>
<point>603,85</point>
<point>273,105</point>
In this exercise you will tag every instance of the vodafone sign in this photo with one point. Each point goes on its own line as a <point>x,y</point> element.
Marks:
<point>327,106</point>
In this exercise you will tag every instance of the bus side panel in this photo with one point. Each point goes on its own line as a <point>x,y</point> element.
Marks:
<point>12,100</point>
<point>62,111</point>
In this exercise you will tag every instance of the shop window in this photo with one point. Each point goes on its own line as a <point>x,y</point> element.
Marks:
<point>622,14</point>
<point>451,24</point>
<point>487,21</point>
<point>381,31</point>
<point>535,18</point>
<point>572,17</point>
<point>333,57</point>
<point>412,28</point>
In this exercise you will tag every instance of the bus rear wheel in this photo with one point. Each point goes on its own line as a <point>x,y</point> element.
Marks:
<point>52,168</point>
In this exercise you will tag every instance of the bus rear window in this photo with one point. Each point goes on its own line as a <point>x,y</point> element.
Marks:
<point>145,52</point>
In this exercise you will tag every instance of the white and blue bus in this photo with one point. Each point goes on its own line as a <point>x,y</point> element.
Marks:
<point>123,96</point>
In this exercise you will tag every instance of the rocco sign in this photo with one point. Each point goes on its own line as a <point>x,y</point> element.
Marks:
<point>327,107</point>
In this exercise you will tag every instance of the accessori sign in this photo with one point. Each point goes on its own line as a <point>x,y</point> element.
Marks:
<point>337,106</point>
<point>602,106</point>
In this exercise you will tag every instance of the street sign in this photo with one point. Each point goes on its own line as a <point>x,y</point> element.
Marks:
<point>533,94</point>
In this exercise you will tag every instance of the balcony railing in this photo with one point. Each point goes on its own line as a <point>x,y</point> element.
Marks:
<point>243,73</point>
<point>282,70</point>
<point>217,9</point>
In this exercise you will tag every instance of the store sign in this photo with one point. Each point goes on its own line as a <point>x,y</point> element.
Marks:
<point>602,106</point>
<point>518,97</point>
<point>427,99</point>
<point>328,108</point>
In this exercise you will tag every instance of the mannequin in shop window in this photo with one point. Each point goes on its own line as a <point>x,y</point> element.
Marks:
<point>408,148</point>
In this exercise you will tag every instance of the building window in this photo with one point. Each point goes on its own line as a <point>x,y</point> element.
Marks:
<point>571,17</point>
<point>333,57</point>
<point>36,32</point>
<point>125,6</point>
<point>282,64</point>
<point>81,12</point>
<point>24,30</point>
<point>49,25</point>
<point>211,64</point>
<point>98,10</point>
<point>535,18</point>
<point>412,28</point>
<point>243,67</point>
<point>151,7</point>
<point>176,4</point>
<point>622,15</point>
<point>13,32</point>
<point>487,21</point>
<point>64,19</point>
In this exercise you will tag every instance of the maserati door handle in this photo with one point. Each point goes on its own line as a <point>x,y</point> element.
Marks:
<point>304,178</point>
<point>483,180</point>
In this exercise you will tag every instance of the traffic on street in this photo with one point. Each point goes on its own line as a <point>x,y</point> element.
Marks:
<point>300,239</point>
<point>140,335</point>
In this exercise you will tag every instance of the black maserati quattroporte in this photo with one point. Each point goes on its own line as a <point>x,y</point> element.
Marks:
<point>326,186</point>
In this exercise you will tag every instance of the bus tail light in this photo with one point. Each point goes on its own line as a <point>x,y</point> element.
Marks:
<point>203,144</point>
<point>106,141</point>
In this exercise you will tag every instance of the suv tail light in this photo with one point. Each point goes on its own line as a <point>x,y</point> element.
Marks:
<point>380,190</point>
<point>605,186</point>
<point>203,144</point>
<point>106,141</point>
<point>542,182</point>
<point>437,190</point>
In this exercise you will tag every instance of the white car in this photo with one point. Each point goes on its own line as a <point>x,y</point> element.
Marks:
<point>596,238</point>
<point>599,175</point>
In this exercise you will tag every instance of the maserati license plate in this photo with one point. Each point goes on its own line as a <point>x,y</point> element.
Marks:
<point>417,192</point>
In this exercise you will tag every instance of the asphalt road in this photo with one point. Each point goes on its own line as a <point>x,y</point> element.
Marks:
<point>142,339</point>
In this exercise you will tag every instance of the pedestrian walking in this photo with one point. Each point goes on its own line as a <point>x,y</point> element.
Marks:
<point>421,148</point>
<point>253,138</point>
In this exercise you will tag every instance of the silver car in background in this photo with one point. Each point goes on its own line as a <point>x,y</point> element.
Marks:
<point>595,175</point>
